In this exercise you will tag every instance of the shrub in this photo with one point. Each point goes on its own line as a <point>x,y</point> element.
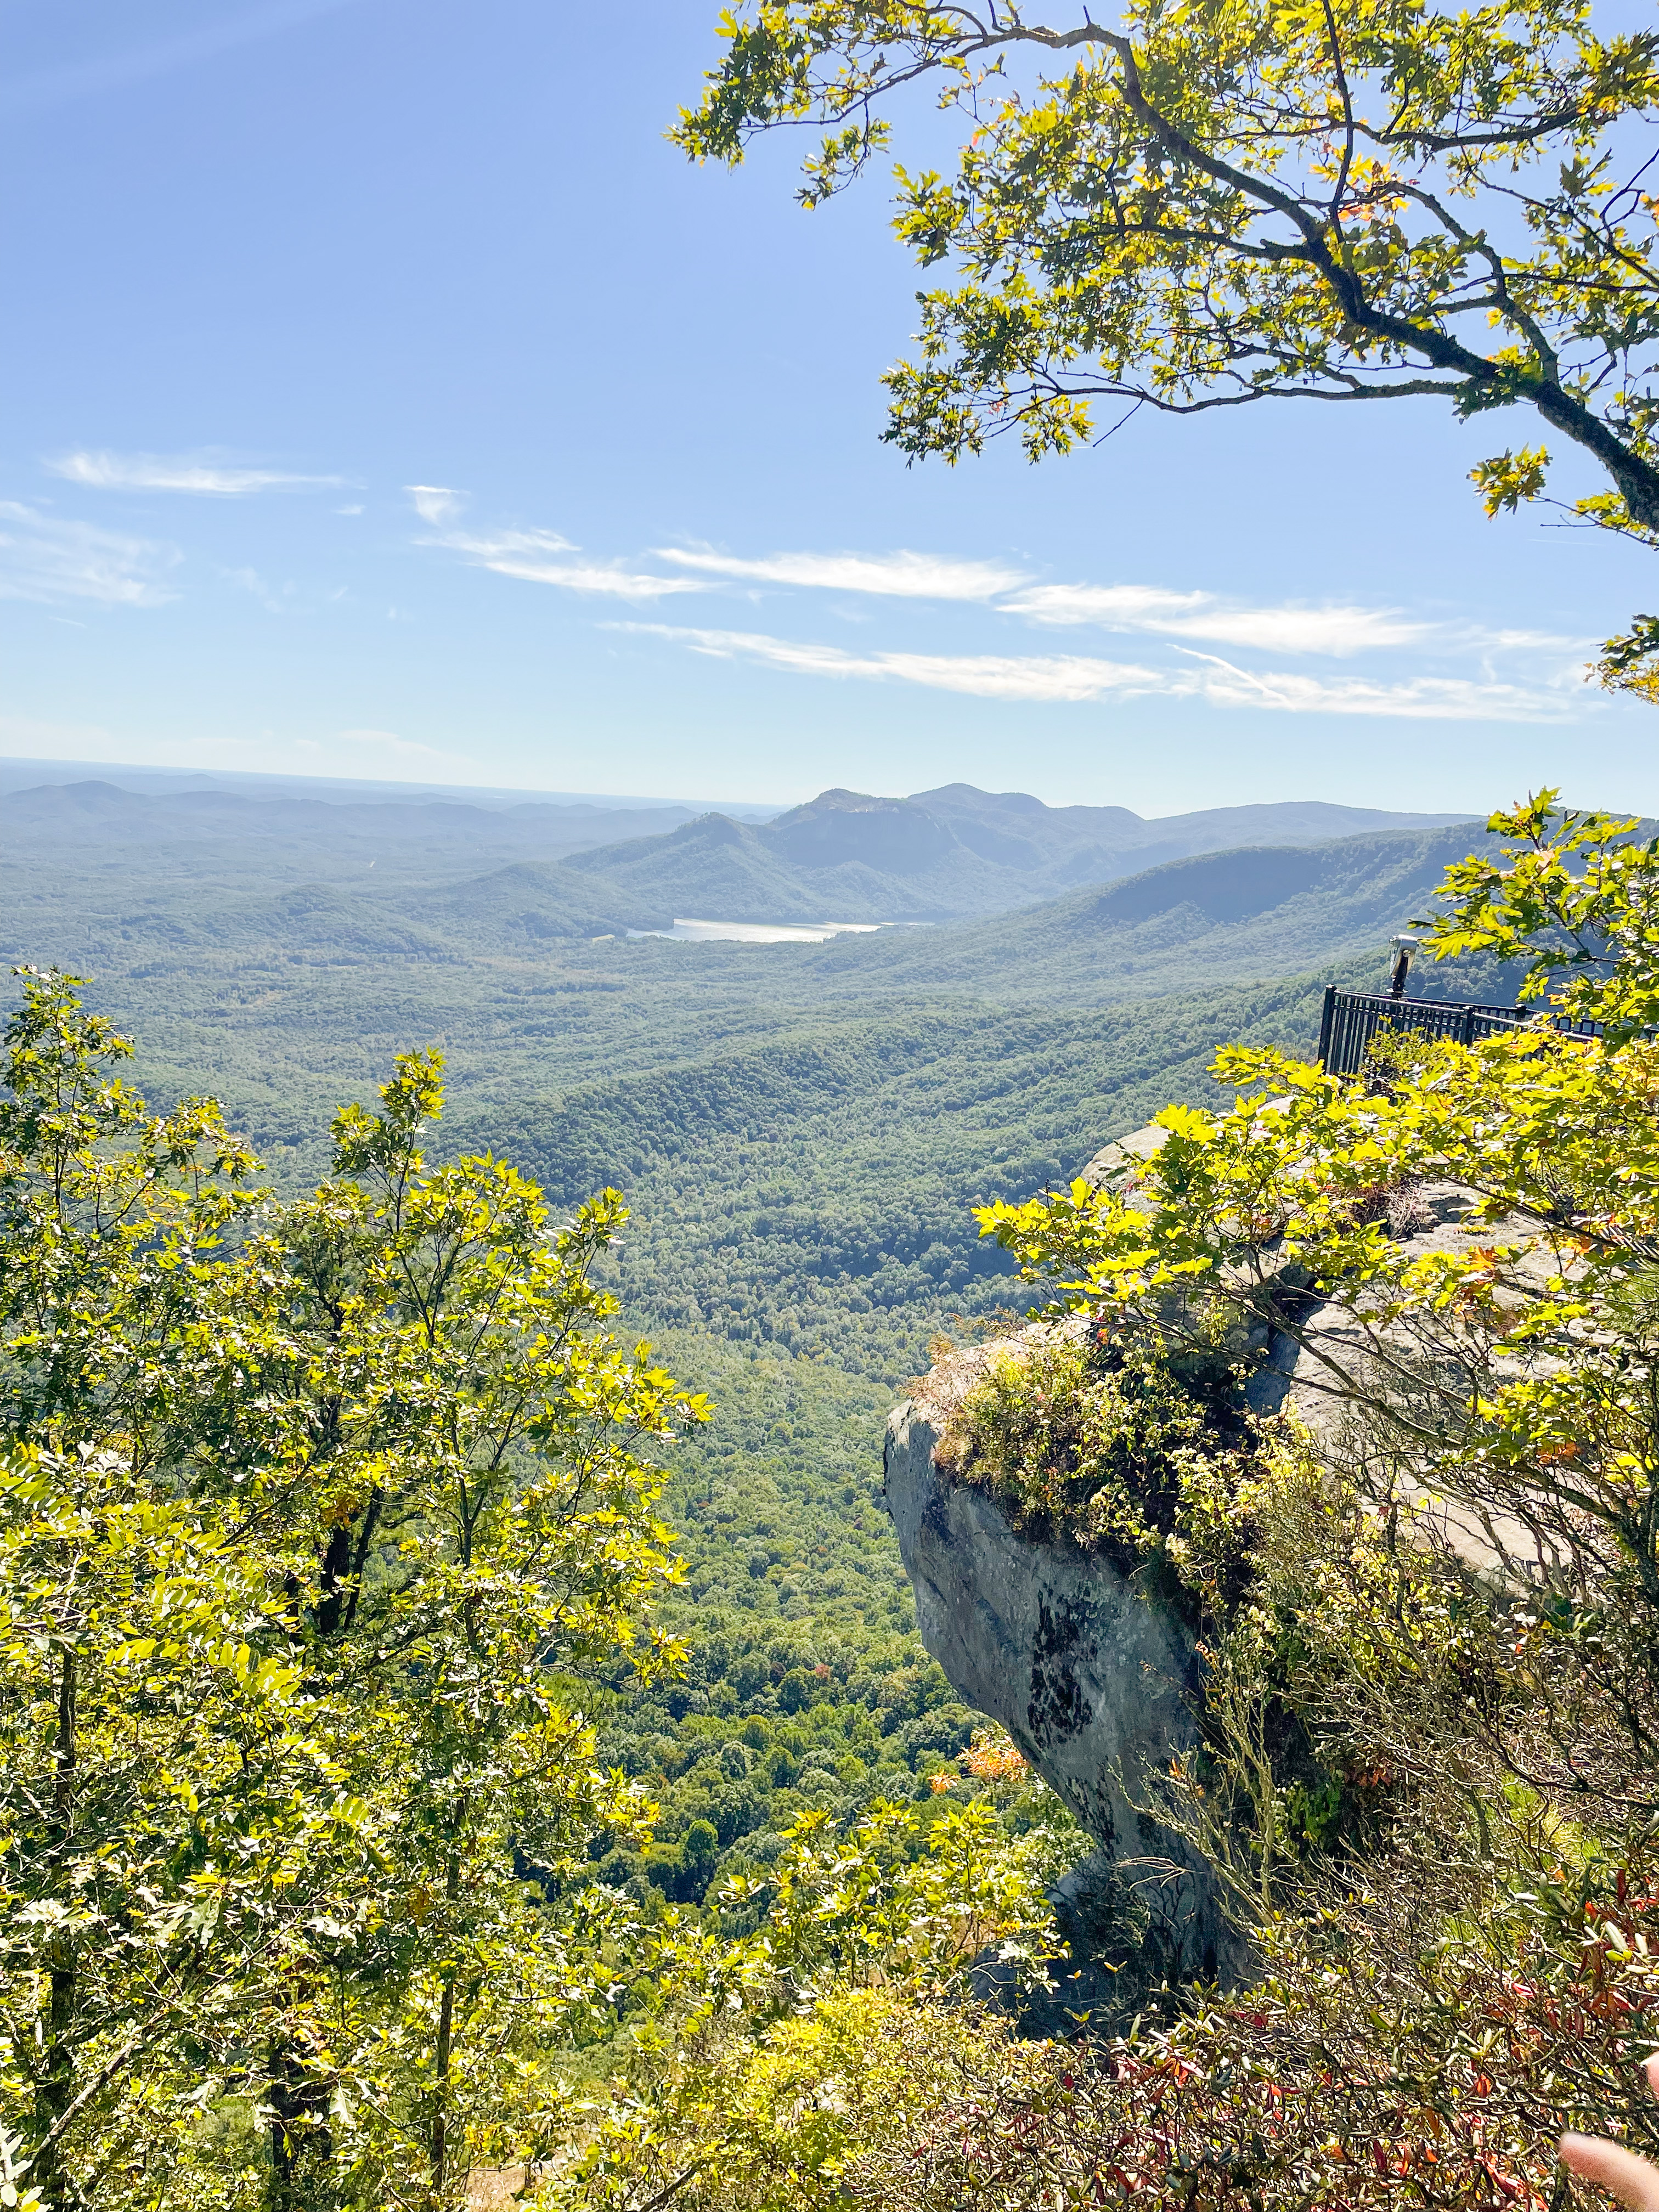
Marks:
<point>770,2125</point>
<point>1380,2062</point>
<point>1102,1438</point>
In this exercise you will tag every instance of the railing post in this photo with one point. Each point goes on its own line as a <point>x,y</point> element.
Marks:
<point>1325,1020</point>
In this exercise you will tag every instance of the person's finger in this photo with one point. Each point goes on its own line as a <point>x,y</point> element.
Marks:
<point>1612,2167</point>
<point>1651,2070</point>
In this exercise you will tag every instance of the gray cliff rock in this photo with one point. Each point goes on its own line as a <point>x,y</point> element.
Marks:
<point>1314,1373</point>
<point>1092,1681</point>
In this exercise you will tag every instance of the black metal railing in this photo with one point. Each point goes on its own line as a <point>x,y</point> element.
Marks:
<point>1352,1018</point>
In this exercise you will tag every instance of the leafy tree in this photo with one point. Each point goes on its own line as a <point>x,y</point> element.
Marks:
<point>110,1221</point>
<point>767,2059</point>
<point>315,1531</point>
<point>1506,1369</point>
<point>152,1831</point>
<point>166,1825</point>
<point>449,1485</point>
<point>1574,896</point>
<point>1224,203</point>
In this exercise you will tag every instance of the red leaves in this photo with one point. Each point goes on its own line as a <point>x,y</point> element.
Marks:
<point>1295,2101</point>
<point>1512,2190</point>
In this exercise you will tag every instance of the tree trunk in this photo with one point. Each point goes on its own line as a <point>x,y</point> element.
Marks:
<point>301,2144</point>
<point>56,2086</point>
<point>438,2138</point>
<point>439,2134</point>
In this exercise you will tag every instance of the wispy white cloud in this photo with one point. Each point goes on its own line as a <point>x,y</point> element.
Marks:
<point>1337,631</point>
<point>50,560</point>
<point>986,676</point>
<point>536,557</point>
<point>1077,677</point>
<point>1146,609</point>
<point>436,503</point>
<point>899,576</point>
<point>1417,698</point>
<point>1535,640</point>
<point>202,476</point>
<point>1187,621</point>
<point>1287,627</point>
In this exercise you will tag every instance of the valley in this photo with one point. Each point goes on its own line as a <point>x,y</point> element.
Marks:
<point>800,1128</point>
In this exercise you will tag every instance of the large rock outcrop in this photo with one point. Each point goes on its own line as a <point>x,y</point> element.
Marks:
<point>1096,1682</point>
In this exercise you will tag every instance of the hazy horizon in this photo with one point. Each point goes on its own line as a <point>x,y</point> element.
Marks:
<point>20,772</point>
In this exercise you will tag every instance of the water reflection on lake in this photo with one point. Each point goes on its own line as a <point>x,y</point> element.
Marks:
<point>760,932</point>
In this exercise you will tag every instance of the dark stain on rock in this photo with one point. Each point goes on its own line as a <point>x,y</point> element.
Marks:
<point>1058,1708</point>
<point>936,1517</point>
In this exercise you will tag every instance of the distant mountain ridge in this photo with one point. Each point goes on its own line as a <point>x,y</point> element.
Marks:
<point>952,854</point>
<point>99,815</point>
<point>949,855</point>
<point>20,774</point>
<point>1199,923</point>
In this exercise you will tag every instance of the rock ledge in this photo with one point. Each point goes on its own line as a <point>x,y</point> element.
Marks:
<point>1095,1683</point>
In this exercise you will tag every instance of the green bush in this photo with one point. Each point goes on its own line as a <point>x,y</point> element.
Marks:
<point>1099,1437</point>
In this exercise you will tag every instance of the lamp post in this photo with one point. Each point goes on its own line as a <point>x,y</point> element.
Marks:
<point>1403,949</point>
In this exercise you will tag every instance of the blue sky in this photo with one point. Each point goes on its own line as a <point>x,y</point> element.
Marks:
<point>381,396</point>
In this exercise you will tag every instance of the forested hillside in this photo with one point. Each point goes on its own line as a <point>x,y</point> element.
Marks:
<point>800,1132</point>
<point>801,1129</point>
<point>810,1190</point>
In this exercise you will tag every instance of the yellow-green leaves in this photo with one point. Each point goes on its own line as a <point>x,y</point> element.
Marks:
<point>1574,894</point>
<point>1507,480</point>
<point>162,1833</point>
<point>1200,207</point>
<point>770,2058</point>
<point>306,1505</point>
<point>773,2123</point>
<point>1630,662</point>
